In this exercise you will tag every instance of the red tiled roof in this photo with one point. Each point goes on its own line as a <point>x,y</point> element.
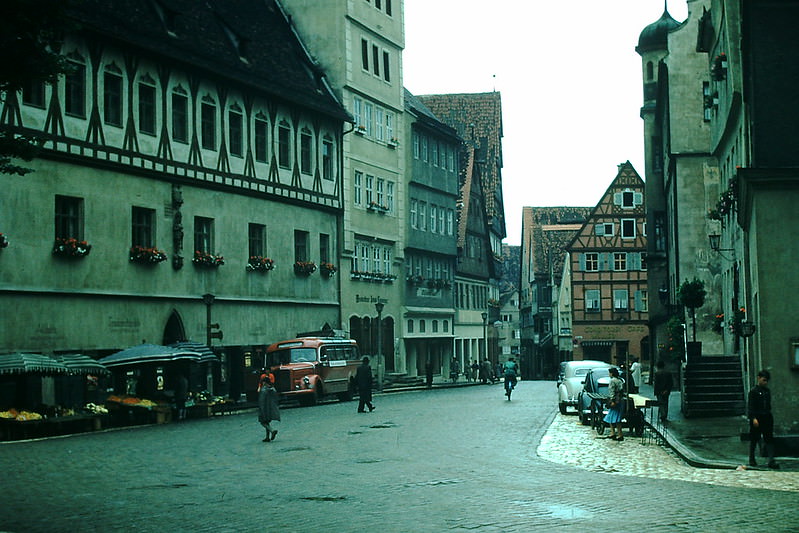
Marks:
<point>477,117</point>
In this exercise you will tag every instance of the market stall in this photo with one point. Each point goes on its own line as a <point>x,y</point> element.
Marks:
<point>146,378</point>
<point>32,392</point>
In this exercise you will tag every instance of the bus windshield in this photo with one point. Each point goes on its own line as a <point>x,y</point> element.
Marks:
<point>292,355</point>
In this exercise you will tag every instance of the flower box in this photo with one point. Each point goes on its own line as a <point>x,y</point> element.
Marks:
<point>71,248</point>
<point>205,259</point>
<point>304,268</point>
<point>719,69</point>
<point>257,263</point>
<point>360,130</point>
<point>327,269</point>
<point>146,256</point>
<point>374,206</point>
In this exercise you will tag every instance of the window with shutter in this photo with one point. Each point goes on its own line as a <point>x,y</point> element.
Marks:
<point>620,298</point>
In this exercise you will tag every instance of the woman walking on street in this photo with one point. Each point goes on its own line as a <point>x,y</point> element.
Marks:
<point>616,403</point>
<point>268,409</point>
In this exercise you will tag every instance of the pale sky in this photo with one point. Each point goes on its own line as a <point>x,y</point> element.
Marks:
<point>570,81</point>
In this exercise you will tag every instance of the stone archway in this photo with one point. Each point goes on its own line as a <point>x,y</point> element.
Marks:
<point>174,330</point>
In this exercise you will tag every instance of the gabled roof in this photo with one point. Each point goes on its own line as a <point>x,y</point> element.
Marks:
<point>250,42</point>
<point>423,114</point>
<point>626,177</point>
<point>466,194</point>
<point>477,117</point>
<point>547,231</point>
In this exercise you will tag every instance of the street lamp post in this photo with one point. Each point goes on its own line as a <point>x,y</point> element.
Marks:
<point>485,334</point>
<point>379,309</point>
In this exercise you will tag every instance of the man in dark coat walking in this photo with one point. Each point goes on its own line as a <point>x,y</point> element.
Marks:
<point>363,379</point>
<point>662,388</point>
<point>761,421</point>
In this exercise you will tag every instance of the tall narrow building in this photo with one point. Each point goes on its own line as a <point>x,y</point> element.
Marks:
<point>358,45</point>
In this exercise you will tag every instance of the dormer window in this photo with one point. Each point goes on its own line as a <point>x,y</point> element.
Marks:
<point>239,43</point>
<point>167,17</point>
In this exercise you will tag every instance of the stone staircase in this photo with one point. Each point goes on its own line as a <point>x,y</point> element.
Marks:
<point>713,386</point>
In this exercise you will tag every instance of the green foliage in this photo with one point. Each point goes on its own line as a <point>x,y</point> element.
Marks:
<point>30,39</point>
<point>692,293</point>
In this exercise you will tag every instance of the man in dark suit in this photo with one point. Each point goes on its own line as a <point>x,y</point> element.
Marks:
<point>363,379</point>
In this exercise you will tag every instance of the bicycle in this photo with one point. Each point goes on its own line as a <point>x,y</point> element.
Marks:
<point>510,383</point>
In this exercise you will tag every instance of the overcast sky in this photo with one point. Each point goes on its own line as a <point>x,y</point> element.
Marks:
<point>570,81</point>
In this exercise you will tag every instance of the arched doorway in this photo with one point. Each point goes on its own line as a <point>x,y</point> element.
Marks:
<point>174,330</point>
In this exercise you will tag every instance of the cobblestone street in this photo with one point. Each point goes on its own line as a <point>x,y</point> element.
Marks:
<point>455,459</point>
<point>570,443</point>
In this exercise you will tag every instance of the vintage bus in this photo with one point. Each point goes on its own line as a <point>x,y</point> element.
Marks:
<point>309,368</point>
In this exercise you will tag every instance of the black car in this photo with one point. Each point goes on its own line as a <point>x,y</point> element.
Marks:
<point>597,381</point>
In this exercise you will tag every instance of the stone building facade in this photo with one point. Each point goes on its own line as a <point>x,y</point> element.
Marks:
<point>608,271</point>
<point>181,158</point>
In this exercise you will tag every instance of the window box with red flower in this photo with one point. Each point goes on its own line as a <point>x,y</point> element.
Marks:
<point>374,206</point>
<point>719,69</point>
<point>415,280</point>
<point>327,269</point>
<point>71,247</point>
<point>205,259</point>
<point>304,268</point>
<point>493,303</point>
<point>257,263</point>
<point>146,255</point>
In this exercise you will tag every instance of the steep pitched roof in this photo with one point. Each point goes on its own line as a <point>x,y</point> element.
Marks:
<point>626,177</point>
<point>466,194</point>
<point>249,41</point>
<point>477,117</point>
<point>547,231</point>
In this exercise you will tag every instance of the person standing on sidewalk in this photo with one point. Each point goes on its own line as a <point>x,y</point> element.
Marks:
<point>616,404</point>
<point>761,421</point>
<point>635,373</point>
<point>662,389</point>
<point>363,378</point>
<point>268,409</point>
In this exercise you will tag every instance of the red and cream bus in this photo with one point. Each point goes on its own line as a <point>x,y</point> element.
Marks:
<point>309,368</point>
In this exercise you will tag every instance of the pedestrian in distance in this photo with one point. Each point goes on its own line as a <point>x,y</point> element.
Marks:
<point>615,404</point>
<point>761,421</point>
<point>181,393</point>
<point>475,370</point>
<point>635,374</point>
<point>510,370</point>
<point>454,369</point>
<point>268,409</point>
<point>363,379</point>
<point>662,389</point>
<point>428,370</point>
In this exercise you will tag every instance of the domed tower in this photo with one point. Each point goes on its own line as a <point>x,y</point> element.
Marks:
<point>653,47</point>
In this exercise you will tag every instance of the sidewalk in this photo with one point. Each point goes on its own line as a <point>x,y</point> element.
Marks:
<point>701,442</point>
<point>711,442</point>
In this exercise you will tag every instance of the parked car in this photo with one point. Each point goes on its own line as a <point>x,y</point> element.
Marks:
<point>570,381</point>
<point>597,381</point>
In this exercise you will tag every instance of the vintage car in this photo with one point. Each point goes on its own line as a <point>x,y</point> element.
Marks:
<point>596,385</point>
<point>309,368</point>
<point>570,381</point>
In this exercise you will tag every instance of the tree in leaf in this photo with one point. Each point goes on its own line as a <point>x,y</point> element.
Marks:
<point>692,295</point>
<point>31,33</point>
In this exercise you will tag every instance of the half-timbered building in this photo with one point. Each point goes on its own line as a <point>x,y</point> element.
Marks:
<point>607,263</point>
<point>190,174</point>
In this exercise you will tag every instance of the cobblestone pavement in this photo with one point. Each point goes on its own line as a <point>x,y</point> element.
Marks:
<point>569,442</point>
<point>442,460</point>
